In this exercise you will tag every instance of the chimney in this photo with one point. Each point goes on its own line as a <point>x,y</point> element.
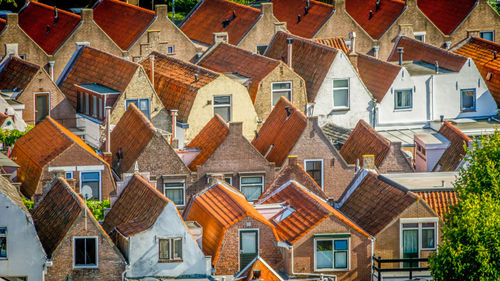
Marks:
<point>298,18</point>
<point>369,162</point>
<point>214,178</point>
<point>108,157</point>
<point>279,26</point>
<point>266,9</point>
<point>494,55</point>
<point>339,6</point>
<point>152,61</point>
<point>436,67</point>
<point>236,128</point>
<point>87,15</point>
<point>292,160</point>
<point>352,37</point>
<point>375,51</point>
<point>51,69</point>
<point>221,37</point>
<point>12,19</point>
<point>173,114</point>
<point>11,49</point>
<point>161,11</point>
<point>353,58</point>
<point>400,53</point>
<point>290,49</point>
<point>196,77</point>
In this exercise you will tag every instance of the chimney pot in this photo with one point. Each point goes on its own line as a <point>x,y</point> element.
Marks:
<point>371,15</point>
<point>87,15</point>
<point>369,162</point>
<point>196,77</point>
<point>290,50</point>
<point>161,11</point>
<point>236,128</point>
<point>12,19</point>
<point>400,52</point>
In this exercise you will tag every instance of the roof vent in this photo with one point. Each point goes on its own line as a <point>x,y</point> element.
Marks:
<point>494,55</point>
<point>226,22</point>
<point>371,15</point>
<point>298,18</point>
<point>196,77</point>
<point>377,5</point>
<point>307,7</point>
<point>48,29</point>
<point>288,112</point>
<point>400,52</point>
<point>56,17</point>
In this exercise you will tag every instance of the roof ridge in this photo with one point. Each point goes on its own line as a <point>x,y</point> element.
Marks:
<point>456,130</point>
<point>476,38</point>
<point>151,187</point>
<point>246,51</point>
<point>308,41</point>
<point>428,46</point>
<point>108,54</point>
<point>237,4</point>
<point>131,6</point>
<point>54,7</point>
<point>182,62</point>
<point>379,60</point>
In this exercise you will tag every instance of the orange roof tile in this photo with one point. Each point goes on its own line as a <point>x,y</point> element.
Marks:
<point>17,73</point>
<point>47,140</point>
<point>377,75</point>
<point>309,212</point>
<point>38,21</point>
<point>132,134</point>
<point>123,22</point>
<point>415,50</point>
<point>289,10</point>
<point>482,52</point>
<point>364,140</point>
<point>456,12</point>
<point>208,140</point>
<point>375,202</point>
<point>305,55</point>
<point>137,208</point>
<point>175,82</point>
<point>439,200</point>
<point>280,132</point>
<point>454,154</point>
<point>216,209</point>
<point>229,58</point>
<point>208,17</point>
<point>3,23</point>
<point>94,66</point>
<point>334,42</point>
<point>267,273</point>
<point>381,20</point>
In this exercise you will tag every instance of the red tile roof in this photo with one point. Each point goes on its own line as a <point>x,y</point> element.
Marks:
<point>454,154</point>
<point>456,12</point>
<point>229,58</point>
<point>377,75</point>
<point>208,140</point>
<point>364,140</point>
<point>132,134</point>
<point>280,132</point>
<point>309,24</point>
<point>375,202</point>
<point>305,56</point>
<point>47,140</point>
<point>482,52</point>
<point>439,200</point>
<point>382,18</point>
<point>175,82</point>
<point>216,209</point>
<point>3,23</point>
<point>309,212</point>
<point>123,22</point>
<point>415,50</point>
<point>37,20</point>
<point>334,42</point>
<point>267,273</point>
<point>94,66</point>
<point>207,18</point>
<point>17,73</point>
<point>137,209</point>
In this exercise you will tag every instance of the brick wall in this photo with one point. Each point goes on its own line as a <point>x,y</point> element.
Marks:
<point>110,262</point>
<point>228,261</point>
<point>395,161</point>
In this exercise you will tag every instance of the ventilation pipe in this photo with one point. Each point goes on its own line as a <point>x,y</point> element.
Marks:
<point>494,55</point>
<point>352,37</point>
<point>400,52</point>
<point>436,67</point>
<point>288,112</point>
<point>152,59</point>
<point>107,148</point>
<point>173,114</point>
<point>56,16</point>
<point>51,69</point>
<point>290,49</point>
<point>375,51</point>
<point>196,77</point>
<point>371,15</point>
<point>377,5</point>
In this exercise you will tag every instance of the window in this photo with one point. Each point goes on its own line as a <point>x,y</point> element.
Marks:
<point>315,169</point>
<point>170,250</point>
<point>468,100</point>
<point>69,175</point>
<point>420,36</point>
<point>428,235</point>
<point>417,236</point>
<point>281,89</point>
<point>142,104</point>
<point>331,254</point>
<point>249,246</point>
<point>175,192</point>
<point>222,106</point>
<point>100,109</point>
<point>341,93</point>
<point>170,50</point>
<point>90,184</point>
<point>3,242</point>
<point>252,187</point>
<point>403,99</point>
<point>488,35</point>
<point>229,180</point>
<point>261,49</point>
<point>81,103</point>
<point>85,252</point>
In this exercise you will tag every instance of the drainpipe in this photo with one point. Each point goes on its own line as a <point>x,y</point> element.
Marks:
<point>375,50</point>
<point>290,49</point>
<point>400,52</point>
<point>173,113</point>
<point>374,113</point>
<point>124,273</point>
<point>51,69</point>
<point>107,149</point>
<point>371,258</point>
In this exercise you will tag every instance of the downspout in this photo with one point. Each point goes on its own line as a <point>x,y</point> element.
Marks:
<point>310,274</point>
<point>124,273</point>
<point>374,112</point>
<point>371,258</point>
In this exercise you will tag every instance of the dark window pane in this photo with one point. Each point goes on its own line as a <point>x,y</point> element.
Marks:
<point>340,244</point>
<point>80,251</point>
<point>90,256</point>
<point>164,249</point>
<point>219,100</point>
<point>178,248</point>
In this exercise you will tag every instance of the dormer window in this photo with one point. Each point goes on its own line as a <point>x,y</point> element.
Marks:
<point>142,104</point>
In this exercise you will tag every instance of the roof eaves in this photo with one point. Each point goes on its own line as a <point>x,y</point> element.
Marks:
<point>248,30</point>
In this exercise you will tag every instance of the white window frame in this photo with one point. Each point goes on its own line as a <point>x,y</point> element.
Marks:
<point>96,252</point>
<point>395,99</point>
<point>171,246</point>
<point>6,243</point>
<point>183,191</point>
<point>71,175</point>
<point>138,104</point>
<point>420,33</point>
<point>419,221</point>
<point>273,91</point>
<point>322,170</point>
<point>333,250</point>
<point>487,31</point>
<point>225,105</point>
<point>348,94</point>
<point>100,180</point>
<point>256,176</point>
<point>239,242</point>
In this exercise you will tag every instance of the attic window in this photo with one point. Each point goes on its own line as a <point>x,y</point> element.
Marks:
<point>170,250</point>
<point>85,252</point>
<point>3,242</point>
<point>283,214</point>
<point>489,75</point>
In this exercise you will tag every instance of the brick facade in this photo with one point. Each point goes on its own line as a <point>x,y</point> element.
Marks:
<point>111,263</point>
<point>228,261</point>
<point>395,161</point>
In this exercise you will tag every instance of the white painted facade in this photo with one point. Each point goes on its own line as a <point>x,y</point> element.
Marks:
<point>360,99</point>
<point>143,250</point>
<point>25,254</point>
<point>434,95</point>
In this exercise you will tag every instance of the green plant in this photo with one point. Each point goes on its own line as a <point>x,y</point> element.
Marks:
<point>9,137</point>
<point>28,203</point>
<point>97,208</point>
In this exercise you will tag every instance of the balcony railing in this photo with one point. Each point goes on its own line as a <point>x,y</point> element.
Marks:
<point>410,270</point>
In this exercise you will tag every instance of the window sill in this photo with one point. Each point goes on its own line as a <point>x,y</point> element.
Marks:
<point>466,111</point>
<point>339,109</point>
<point>170,261</point>
<point>331,270</point>
<point>402,109</point>
<point>85,267</point>
<point>3,259</point>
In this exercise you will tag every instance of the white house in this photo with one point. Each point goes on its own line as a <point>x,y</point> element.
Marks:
<point>21,254</point>
<point>335,92</point>
<point>153,237</point>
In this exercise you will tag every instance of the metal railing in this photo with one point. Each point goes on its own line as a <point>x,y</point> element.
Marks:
<point>377,266</point>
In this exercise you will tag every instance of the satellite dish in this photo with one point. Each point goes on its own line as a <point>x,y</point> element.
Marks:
<point>86,192</point>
